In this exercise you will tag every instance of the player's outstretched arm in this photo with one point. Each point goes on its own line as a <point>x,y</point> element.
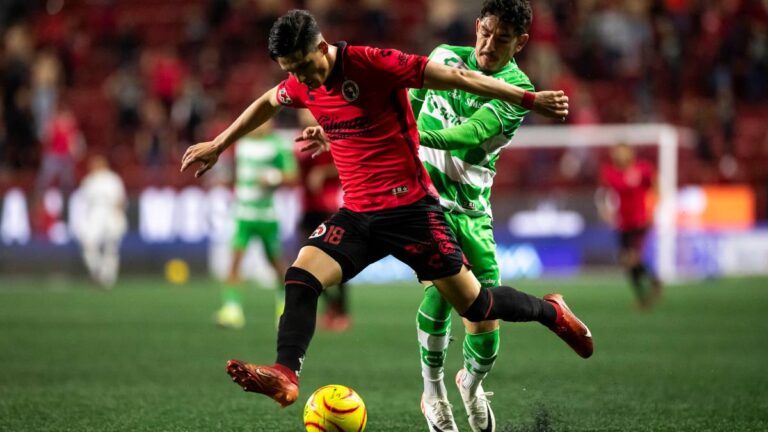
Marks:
<point>552,104</point>
<point>207,153</point>
<point>479,128</point>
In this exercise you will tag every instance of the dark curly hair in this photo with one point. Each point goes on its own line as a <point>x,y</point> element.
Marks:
<point>516,13</point>
<point>297,30</point>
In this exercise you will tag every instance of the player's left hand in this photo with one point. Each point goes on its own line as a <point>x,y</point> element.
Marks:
<point>317,140</point>
<point>552,104</point>
<point>206,153</point>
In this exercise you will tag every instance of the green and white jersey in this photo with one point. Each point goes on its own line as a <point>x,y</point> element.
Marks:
<point>463,173</point>
<point>260,166</point>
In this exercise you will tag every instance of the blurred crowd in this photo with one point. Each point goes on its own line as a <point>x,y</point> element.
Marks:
<point>140,80</point>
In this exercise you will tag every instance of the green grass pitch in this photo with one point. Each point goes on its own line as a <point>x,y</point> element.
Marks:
<point>145,357</point>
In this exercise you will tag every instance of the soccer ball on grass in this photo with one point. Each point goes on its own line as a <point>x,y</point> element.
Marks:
<point>335,408</point>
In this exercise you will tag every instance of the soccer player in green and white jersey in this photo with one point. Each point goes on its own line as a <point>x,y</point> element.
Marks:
<point>461,137</point>
<point>263,162</point>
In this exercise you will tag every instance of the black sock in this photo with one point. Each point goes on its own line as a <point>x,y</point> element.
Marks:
<point>297,324</point>
<point>509,304</point>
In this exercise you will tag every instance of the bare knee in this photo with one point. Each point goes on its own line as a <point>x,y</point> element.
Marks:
<point>320,264</point>
<point>480,327</point>
<point>460,290</point>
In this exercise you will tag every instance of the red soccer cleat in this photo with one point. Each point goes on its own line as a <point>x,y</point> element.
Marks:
<point>569,327</point>
<point>333,321</point>
<point>267,380</point>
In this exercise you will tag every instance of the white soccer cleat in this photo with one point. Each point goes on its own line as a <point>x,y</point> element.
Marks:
<point>478,407</point>
<point>438,413</point>
<point>230,316</point>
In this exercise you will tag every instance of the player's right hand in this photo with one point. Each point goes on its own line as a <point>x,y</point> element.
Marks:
<point>207,153</point>
<point>552,104</point>
<point>317,140</point>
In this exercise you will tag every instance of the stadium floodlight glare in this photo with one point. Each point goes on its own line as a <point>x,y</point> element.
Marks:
<point>667,137</point>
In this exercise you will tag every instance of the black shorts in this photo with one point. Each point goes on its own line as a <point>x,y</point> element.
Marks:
<point>312,219</point>
<point>633,238</point>
<point>415,234</point>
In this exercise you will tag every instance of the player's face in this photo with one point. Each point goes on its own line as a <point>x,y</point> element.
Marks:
<point>622,156</point>
<point>311,69</point>
<point>496,43</point>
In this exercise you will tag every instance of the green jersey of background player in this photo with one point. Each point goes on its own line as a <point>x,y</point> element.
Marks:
<point>461,138</point>
<point>263,162</point>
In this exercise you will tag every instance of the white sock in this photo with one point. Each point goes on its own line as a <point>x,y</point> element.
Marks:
<point>471,382</point>
<point>434,389</point>
<point>433,382</point>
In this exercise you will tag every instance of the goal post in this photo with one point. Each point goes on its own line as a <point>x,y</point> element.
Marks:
<point>667,137</point>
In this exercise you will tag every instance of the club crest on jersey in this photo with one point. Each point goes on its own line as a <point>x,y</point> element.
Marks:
<point>319,231</point>
<point>350,90</point>
<point>283,98</point>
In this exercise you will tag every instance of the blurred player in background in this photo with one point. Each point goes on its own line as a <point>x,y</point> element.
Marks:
<point>321,195</point>
<point>102,223</point>
<point>462,136</point>
<point>358,94</point>
<point>263,162</point>
<point>621,201</point>
<point>63,147</point>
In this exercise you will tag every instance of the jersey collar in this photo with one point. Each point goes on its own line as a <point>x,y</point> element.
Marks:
<point>472,63</point>
<point>337,73</point>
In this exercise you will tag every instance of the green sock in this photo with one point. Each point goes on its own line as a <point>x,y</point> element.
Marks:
<point>433,323</point>
<point>480,352</point>
<point>231,295</point>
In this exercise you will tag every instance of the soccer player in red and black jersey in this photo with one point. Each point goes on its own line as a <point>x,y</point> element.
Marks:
<point>622,202</point>
<point>358,95</point>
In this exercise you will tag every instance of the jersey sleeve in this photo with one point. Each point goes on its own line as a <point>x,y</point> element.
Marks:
<point>395,68</point>
<point>417,95</point>
<point>479,128</point>
<point>289,93</point>
<point>510,116</point>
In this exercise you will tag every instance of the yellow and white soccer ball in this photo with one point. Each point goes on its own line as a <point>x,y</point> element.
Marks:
<point>335,408</point>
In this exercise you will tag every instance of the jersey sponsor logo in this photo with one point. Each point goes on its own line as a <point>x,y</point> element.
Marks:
<point>400,190</point>
<point>337,129</point>
<point>319,231</point>
<point>350,90</point>
<point>283,98</point>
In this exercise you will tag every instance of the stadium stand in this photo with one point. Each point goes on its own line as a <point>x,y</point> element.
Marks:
<point>146,78</point>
